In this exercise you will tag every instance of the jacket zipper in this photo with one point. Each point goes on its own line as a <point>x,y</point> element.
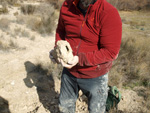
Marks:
<point>80,35</point>
<point>83,22</point>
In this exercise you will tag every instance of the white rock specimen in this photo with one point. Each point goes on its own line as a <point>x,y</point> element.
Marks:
<point>63,51</point>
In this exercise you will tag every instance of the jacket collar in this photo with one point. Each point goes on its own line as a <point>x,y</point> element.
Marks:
<point>75,2</point>
<point>94,6</point>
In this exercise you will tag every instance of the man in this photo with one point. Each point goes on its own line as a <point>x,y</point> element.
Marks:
<point>93,28</point>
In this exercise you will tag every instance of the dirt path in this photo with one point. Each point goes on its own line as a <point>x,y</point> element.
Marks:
<point>29,89</point>
<point>14,70</point>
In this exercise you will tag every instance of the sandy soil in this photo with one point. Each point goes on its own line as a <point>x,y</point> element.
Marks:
<point>26,87</point>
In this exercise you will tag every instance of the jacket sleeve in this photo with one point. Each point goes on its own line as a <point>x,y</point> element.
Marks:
<point>110,41</point>
<point>60,31</point>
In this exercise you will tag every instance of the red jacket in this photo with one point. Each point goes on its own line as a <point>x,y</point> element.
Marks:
<point>95,38</point>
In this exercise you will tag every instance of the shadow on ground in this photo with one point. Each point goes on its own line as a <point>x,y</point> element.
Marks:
<point>4,105</point>
<point>44,83</point>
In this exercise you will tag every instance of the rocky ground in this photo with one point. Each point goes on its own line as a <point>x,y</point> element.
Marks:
<point>29,81</point>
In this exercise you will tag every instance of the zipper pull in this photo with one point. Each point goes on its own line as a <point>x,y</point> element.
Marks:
<point>83,23</point>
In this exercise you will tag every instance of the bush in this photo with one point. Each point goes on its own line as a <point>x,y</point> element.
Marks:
<point>42,18</point>
<point>132,66</point>
<point>4,24</point>
<point>10,2</point>
<point>3,9</point>
<point>46,12</point>
<point>56,3</point>
<point>28,9</point>
<point>7,44</point>
<point>129,4</point>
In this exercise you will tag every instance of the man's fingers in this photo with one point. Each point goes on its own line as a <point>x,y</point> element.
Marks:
<point>62,62</point>
<point>71,63</point>
<point>74,61</point>
<point>65,65</point>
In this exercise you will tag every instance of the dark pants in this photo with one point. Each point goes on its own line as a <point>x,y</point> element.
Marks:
<point>95,89</point>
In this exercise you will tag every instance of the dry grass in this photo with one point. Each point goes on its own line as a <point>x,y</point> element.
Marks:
<point>10,2</point>
<point>132,68</point>
<point>6,45</point>
<point>56,3</point>
<point>46,12</point>
<point>28,9</point>
<point>130,5</point>
<point>4,24</point>
<point>39,18</point>
<point>134,55</point>
<point>3,10</point>
<point>25,33</point>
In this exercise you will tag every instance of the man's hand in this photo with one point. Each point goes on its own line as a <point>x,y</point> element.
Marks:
<point>71,63</point>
